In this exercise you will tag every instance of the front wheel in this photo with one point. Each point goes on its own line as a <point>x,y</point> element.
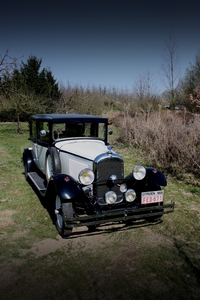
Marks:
<point>62,209</point>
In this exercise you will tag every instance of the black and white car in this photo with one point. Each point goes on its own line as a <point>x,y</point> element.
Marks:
<point>82,179</point>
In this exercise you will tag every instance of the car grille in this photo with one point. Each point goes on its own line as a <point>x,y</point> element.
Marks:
<point>105,168</point>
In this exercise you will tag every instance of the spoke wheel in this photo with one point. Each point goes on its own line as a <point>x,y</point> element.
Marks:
<point>62,209</point>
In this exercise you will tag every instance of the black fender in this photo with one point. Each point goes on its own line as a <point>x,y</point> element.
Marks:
<point>27,160</point>
<point>153,178</point>
<point>65,187</point>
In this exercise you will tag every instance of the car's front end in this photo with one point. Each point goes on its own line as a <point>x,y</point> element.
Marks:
<point>108,196</point>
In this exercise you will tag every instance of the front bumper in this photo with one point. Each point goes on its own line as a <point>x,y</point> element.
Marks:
<point>121,215</point>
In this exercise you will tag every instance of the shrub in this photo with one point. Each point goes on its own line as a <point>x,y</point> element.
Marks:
<point>169,140</point>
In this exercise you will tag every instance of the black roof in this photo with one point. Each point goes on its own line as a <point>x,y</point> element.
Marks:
<point>71,118</point>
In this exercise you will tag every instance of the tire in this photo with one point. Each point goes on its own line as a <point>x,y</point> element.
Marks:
<point>28,164</point>
<point>62,209</point>
<point>26,171</point>
<point>53,165</point>
<point>92,228</point>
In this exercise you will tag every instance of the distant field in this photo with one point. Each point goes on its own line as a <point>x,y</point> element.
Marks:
<point>140,261</point>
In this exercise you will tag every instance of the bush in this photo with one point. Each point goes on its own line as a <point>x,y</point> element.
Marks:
<point>169,140</point>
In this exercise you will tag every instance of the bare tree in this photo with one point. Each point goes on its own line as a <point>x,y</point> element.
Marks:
<point>7,63</point>
<point>170,70</point>
<point>145,93</point>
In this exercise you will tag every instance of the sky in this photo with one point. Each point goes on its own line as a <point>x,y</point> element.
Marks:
<point>101,43</point>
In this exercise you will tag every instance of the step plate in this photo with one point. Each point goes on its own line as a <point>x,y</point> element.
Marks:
<point>38,181</point>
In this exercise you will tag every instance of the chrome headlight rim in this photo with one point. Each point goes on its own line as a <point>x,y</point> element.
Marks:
<point>110,197</point>
<point>130,195</point>
<point>139,172</point>
<point>86,176</point>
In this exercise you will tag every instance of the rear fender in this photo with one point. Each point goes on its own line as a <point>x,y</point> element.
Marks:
<point>65,187</point>
<point>27,159</point>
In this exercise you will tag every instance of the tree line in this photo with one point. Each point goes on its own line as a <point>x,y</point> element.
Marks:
<point>26,89</point>
<point>169,138</point>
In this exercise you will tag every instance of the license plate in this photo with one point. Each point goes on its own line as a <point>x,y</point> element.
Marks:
<point>152,197</point>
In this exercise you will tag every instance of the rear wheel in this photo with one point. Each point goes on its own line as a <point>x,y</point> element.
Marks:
<point>28,164</point>
<point>61,210</point>
<point>25,170</point>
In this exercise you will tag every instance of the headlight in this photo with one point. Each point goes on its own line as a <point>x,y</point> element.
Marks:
<point>139,172</point>
<point>123,187</point>
<point>110,197</point>
<point>86,177</point>
<point>130,195</point>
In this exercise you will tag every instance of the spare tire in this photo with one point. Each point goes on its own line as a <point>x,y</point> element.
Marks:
<point>53,164</point>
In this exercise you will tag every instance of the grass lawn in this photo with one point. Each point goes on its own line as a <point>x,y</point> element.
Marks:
<point>140,261</point>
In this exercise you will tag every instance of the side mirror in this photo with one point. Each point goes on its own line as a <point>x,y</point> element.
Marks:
<point>110,132</point>
<point>43,133</point>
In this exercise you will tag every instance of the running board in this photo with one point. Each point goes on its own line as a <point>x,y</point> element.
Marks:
<point>38,181</point>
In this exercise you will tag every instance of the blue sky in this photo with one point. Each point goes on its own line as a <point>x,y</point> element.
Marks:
<point>107,43</point>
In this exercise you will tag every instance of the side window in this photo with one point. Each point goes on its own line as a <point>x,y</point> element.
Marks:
<point>95,130</point>
<point>33,131</point>
<point>43,134</point>
<point>59,131</point>
<point>87,129</point>
<point>102,131</point>
<point>91,129</point>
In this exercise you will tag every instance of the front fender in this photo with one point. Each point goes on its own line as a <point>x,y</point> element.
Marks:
<point>153,178</point>
<point>65,187</point>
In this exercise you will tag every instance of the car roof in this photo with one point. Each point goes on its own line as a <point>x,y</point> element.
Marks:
<point>71,118</point>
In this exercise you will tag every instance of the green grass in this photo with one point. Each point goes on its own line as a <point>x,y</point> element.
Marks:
<point>140,261</point>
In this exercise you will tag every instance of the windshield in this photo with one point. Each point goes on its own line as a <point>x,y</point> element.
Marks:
<point>66,130</point>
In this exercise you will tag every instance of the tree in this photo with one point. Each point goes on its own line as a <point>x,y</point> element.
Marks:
<point>191,85</point>
<point>7,63</point>
<point>27,90</point>
<point>28,79</point>
<point>41,83</point>
<point>145,94</point>
<point>170,71</point>
<point>192,75</point>
<point>195,98</point>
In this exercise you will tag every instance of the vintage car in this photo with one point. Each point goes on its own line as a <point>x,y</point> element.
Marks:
<point>81,178</point>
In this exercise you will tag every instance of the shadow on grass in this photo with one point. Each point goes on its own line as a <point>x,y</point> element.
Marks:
<point>111,227</point>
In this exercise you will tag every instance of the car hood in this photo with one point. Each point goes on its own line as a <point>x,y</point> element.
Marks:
<point>86,148</point>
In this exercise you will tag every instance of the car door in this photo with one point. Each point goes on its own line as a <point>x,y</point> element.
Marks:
<point>42,145</point>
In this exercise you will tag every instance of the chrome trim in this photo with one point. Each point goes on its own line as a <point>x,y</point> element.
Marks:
<point>107,155</point>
